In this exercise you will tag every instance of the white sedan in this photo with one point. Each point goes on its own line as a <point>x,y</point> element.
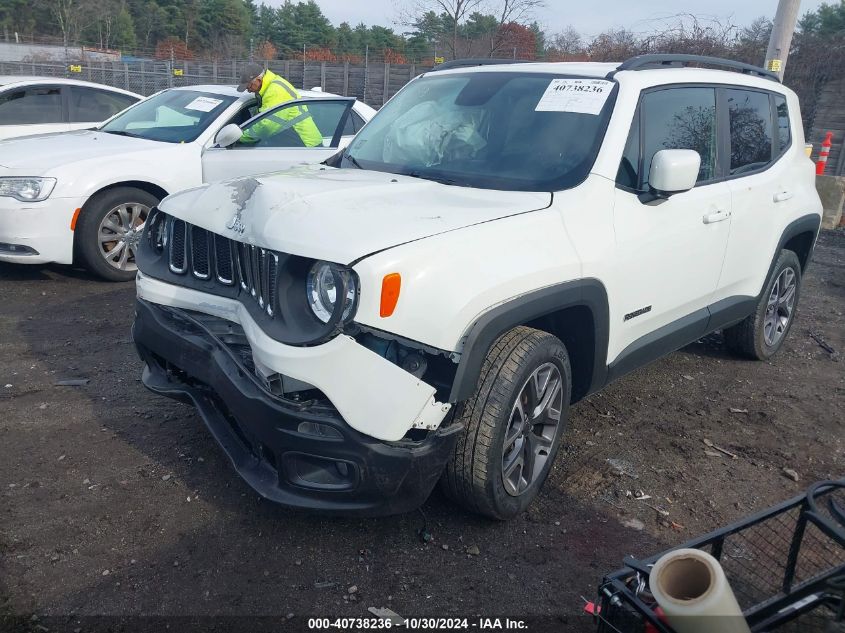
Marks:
<point>38,105</point>
<point>82,196</point>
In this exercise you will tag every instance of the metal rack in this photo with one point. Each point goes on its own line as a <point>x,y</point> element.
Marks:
<point>672,60</point>
<point>782,563</point>
<point>481,61</point>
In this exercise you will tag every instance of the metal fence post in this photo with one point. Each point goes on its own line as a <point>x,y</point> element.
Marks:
<point>366,71</point>
<point>214,71</point>
<point>346,79</point>
<point>386,83</point>
<point>323,76</point>
<point>126,75</point>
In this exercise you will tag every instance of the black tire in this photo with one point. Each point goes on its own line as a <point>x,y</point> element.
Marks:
<point>751,337</point>
<point>474,474</point>
<point>87,241</point>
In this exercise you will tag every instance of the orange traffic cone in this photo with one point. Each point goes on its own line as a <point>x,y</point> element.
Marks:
<point>824,153</point>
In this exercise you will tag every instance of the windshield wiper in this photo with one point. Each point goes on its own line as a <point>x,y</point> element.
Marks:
<point>353,160</point>
<point>121,133</point>
<point>441,179</point>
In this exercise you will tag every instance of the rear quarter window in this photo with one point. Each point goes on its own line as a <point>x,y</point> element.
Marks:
<point>89,105</point>
<point>784,133</point>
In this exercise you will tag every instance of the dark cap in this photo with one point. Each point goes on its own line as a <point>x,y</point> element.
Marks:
<point>250,72</point>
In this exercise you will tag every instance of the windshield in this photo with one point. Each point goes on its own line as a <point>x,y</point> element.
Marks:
<point>172,116</point>
<point>491,130</point>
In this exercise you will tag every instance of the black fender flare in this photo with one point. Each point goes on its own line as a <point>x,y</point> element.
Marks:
<point>589,293</point>
<point>810,223</point>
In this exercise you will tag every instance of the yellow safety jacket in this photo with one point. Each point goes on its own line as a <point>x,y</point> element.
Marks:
<point>275,91</point>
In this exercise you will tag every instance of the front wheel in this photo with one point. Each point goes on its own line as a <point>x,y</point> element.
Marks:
<point>513,425</point>
<point>762,333</point>
<point>109,230</point>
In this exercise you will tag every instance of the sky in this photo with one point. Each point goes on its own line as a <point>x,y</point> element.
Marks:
<point>589,18</point>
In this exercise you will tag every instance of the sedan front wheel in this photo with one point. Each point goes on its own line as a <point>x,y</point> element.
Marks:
<point>109,230</point>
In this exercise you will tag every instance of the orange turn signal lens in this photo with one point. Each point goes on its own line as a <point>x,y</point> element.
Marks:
<point>390,286</point>
<point>74,219</point>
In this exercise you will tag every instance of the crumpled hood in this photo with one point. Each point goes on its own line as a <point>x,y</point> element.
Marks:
<point>37,155</point>
<point>340,215</point>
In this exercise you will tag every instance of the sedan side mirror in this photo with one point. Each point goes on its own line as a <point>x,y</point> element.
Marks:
<point>673,171</point>
<point>228,135</point>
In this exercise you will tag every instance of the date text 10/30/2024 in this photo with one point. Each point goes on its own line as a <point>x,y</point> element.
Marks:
<point>418,624</point>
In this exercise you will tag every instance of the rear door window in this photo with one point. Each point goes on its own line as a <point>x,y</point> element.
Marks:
<point>31,106</point>
<point>750,130</point>
<point>89,105</point>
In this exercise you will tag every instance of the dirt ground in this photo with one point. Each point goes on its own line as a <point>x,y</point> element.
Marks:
<point>118,503</point>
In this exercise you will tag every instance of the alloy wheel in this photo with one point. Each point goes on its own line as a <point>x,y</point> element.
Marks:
<point>532,429</point>
<point>119,234</point>
<point>780,307</point>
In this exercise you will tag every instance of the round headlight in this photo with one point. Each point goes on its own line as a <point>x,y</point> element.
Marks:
<point>323,285</point>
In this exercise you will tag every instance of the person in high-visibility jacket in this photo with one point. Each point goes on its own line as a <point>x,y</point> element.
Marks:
<point>273,90</point>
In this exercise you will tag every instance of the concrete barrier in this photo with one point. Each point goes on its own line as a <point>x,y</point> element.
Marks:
<point>832,193</point>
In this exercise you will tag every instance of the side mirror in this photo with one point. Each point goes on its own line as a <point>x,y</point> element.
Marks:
<point>673,171</point>
<point>228,135</point>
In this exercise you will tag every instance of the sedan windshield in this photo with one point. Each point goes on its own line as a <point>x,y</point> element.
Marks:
<point>491,130</point>
<point>172,116</point>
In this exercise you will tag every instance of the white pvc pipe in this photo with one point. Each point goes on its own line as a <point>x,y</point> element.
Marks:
<point>691,588</point>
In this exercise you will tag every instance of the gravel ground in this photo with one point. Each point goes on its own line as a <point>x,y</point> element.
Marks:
<point>118,503</point>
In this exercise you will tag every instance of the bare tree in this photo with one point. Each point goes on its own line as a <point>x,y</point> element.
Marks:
<point>519,11</point>
<point>105,14</point>
<point>68,15</point>
<point>615,45</point>
<point>567,44</point>
<point>455,10</point>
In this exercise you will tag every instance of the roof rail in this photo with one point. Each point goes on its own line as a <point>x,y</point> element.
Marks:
<point>481,61</point>
<point>666,60</point>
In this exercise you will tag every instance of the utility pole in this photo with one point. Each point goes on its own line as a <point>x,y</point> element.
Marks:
<point>781,37</point>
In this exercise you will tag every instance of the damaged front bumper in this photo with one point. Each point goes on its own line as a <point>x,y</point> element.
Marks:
<point>304,455</point>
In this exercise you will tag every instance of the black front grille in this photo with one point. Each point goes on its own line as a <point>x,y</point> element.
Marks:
<point>200,260</point>
<point>223,259</point>
<point>176,247</point>
<point>254,268</point>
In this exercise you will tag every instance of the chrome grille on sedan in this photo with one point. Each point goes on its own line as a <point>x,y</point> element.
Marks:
<point>206,254</point>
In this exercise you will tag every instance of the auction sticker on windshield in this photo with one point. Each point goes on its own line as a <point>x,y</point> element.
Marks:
<point>203,104</point>
<point>583,96</point>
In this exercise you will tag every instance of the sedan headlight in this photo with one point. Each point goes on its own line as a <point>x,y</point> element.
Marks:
<point>27,189</point>
<point>324,283</point>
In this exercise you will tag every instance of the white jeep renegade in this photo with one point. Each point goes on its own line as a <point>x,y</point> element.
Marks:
<point>497,243</point>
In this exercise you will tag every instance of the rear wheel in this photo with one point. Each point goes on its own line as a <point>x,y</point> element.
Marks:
<point>109,230</point>
<point>513,425</point>
<point>760,335</point>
